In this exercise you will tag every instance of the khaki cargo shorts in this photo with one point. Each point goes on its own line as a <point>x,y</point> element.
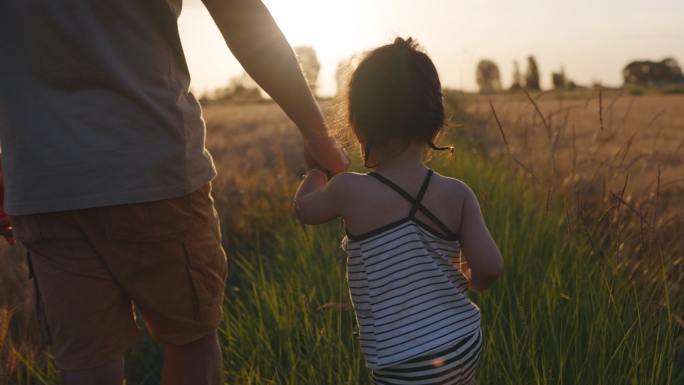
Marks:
<point>92,265</point>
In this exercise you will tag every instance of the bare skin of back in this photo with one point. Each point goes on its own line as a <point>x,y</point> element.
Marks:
<point>367,204</point>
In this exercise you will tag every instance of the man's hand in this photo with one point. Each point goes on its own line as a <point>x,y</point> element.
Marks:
<point>324,152</point>
<point>5,226</point>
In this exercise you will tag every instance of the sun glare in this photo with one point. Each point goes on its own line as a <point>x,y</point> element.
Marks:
<point>333,28</point>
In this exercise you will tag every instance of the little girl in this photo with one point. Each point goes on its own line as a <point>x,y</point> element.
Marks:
<point>406,227</point>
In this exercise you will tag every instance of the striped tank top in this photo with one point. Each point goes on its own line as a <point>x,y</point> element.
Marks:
<point>408,296</point>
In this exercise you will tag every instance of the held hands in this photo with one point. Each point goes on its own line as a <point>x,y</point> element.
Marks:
<point>323,151</point>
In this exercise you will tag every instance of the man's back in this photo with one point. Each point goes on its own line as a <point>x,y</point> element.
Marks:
<point>94,105</point>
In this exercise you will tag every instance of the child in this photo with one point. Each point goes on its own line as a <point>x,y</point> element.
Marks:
<point>405,227</point>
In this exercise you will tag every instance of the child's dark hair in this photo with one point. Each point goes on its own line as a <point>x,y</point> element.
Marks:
<point>395,93</point>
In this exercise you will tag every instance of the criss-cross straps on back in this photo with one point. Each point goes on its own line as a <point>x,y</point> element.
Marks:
<point>416,205</point>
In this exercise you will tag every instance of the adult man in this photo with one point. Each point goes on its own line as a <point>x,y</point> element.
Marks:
<point>107,178</point>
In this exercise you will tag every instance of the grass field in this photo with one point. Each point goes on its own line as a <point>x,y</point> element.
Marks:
<point>591,292</point>
<point>607,151</point>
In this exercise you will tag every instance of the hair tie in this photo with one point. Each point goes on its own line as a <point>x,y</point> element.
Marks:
<point>432,146</point>
<point>408,43</point>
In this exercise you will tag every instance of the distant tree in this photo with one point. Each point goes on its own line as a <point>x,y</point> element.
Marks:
<point>240,89</point>
<point>648,73</point>
<point>308,60</point>
<point>242,81</point>
<point>487,75</point>
<point>558,79</point>
<point>532,75</point>
<point>517,77</point>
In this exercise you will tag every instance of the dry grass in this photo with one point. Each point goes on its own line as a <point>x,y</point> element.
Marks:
<point>18,329</point>
<point>620,188</point>
<point>618,155</point>
<point>257,152</point>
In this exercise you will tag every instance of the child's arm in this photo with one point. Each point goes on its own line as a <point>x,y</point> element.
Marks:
<point>483,257</point>
<point>319,200</point>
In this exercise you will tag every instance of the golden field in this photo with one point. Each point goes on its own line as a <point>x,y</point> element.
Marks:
<point>604,167</point>
<point>612,150</point>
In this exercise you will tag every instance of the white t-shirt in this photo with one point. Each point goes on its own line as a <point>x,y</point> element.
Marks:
<point>94,105</point>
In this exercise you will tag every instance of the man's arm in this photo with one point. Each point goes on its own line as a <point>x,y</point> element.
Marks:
<point>258,44</point>
<point>5,227</point>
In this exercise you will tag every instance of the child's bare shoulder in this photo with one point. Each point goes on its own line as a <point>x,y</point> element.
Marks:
<point>346,184</point>
<point>452,186</point>
<point>346,179</point>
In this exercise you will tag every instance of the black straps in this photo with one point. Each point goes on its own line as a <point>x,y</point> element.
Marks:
<point>393,186</point>
<point>416,205</point>
<point>421,193</point>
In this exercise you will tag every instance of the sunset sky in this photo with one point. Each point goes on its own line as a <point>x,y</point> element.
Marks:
<point>592,39</point>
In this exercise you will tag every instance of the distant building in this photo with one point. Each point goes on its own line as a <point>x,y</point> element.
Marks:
<point>653,74</point>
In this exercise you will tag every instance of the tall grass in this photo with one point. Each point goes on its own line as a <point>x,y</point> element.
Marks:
<point>565,311</point>
<point>558,315</point>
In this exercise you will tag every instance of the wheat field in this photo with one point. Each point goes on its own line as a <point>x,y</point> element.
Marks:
<point>611,150</point>
<point>589,221</point>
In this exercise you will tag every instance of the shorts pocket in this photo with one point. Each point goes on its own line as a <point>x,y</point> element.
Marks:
<point>149,221</point>
<point>208,270</point>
